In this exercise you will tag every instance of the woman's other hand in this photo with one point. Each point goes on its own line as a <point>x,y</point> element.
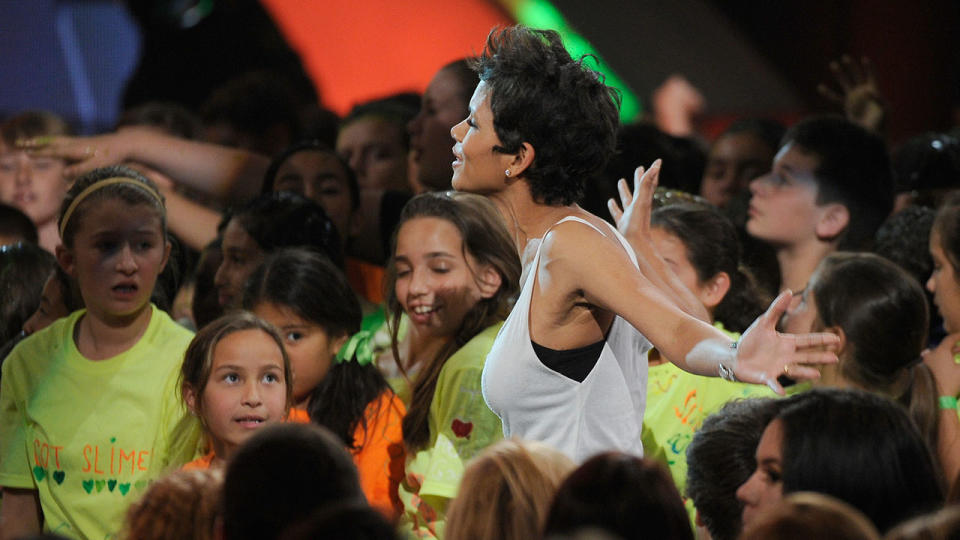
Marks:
<point>763,354</point>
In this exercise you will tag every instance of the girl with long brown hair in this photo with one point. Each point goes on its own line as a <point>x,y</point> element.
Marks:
<point>452,274</point>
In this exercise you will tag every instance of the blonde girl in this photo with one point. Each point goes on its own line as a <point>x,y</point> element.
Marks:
<point>506,491</point>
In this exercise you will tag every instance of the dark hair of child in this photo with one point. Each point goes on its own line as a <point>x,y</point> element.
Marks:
<point>903,239</point>
<point>343,521</point>
<point>721,457</point>
<point>24,268</point>
<point>710,241</point>
<point>861,448</point>
<point>312,287</point>
<point>282,475</point>
<point>15,224</point>
<point>631,497</point>
<point>853,170</point>
<point>284,219</point>
<point>168,117</point>
<point>884,315</point>
<point>30,124</point>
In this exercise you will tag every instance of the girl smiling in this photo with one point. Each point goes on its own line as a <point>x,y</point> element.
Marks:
<point>452,274</point>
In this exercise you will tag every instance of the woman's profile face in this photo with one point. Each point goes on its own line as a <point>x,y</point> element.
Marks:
<point>944,285</point>
<point>764,488</point>
<point>477,167</point>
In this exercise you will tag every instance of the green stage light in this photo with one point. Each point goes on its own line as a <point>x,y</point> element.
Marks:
<point>543,14</point>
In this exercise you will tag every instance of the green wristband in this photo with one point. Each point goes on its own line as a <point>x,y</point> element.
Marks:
<point>948,402</point>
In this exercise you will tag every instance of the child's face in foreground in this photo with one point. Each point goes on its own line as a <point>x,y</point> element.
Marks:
<point>435,281</point>
<point>118,251</point>
<point>246,389</point>
<point>309,346</point>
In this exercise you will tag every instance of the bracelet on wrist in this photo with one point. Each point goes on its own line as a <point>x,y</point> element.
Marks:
<point>948,402</point>
<point>726,373</point>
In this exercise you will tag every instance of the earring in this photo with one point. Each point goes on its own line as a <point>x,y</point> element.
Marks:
<point>507,172</point>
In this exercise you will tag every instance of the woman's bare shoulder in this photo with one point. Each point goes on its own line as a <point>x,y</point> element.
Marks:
<point>584,233</point>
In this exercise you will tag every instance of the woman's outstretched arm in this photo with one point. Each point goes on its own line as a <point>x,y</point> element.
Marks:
<point>577,261</point>
<point>230,174</point>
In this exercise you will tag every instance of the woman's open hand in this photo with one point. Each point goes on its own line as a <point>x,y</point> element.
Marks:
<point>632,215</point>
<point>764,354</point>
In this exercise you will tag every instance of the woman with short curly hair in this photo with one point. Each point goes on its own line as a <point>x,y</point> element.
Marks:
<point>567,367</point>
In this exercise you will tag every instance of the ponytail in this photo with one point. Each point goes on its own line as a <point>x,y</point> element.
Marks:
<point>339,403</point>
<point>920,400</point>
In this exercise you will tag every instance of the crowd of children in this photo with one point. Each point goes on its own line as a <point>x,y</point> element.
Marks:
<point>204,341</point>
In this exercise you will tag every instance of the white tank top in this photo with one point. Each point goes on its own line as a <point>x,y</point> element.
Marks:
<point>581,419</point>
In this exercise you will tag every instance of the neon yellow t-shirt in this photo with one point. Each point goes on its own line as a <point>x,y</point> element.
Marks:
<point>461,425</point>
<point>90,436</point>
<point>677,404</point>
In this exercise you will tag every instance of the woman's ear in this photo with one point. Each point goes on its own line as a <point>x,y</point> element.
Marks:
<point>489,281</point>
<point>834,219</point>
<point>714,290</point>
<point>521,161</point>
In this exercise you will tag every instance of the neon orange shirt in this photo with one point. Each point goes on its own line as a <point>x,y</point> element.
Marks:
<point>381,456</point>
<point>200,463</point>
<point>298,416</point>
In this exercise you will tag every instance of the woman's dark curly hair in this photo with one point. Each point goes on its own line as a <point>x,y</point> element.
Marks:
<point>542,96</point>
